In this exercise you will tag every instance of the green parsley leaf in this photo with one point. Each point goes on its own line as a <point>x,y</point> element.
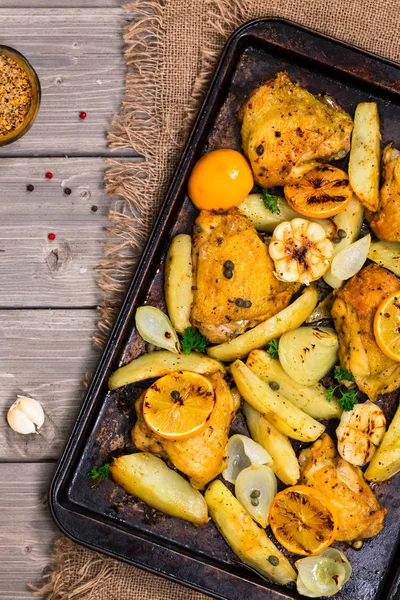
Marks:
<point>100,472</point>
<point>193,340</point>
<point>271,202</point>
<point>348,400</point>
<point>272,348</point>
<point>343,375</point>
<point>329,393</point>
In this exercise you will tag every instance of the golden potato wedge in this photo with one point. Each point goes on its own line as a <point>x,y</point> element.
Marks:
<point>148,477</point>
<point>178,281</point>
<point>349,221</point>
<point>311,399</point>
<point>289,318</point>
<point>285,464</point>
<point>386,461</point>
<point>286,417</point>
<point>387,255</point>
<point>248,541</point>
<point>156,364</point>
<point>365,155</point>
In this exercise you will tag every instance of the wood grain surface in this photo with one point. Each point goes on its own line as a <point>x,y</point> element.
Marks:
<point>26,528</point>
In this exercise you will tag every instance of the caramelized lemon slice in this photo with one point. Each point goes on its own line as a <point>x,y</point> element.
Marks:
<point>178,405</point>
<point>321,193</point>
<point>302,520</point>
<point>387,326</point>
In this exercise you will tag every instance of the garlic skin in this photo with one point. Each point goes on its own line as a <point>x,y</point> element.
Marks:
<point>26,415</point>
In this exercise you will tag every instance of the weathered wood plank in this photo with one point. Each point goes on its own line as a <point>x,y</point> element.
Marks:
<point>78,55</point>
<point>44,354</point>
<point>35,272</point>
<point>26,528</point>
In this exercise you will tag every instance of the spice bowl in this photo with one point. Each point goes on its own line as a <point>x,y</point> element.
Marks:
<point>19,95</point>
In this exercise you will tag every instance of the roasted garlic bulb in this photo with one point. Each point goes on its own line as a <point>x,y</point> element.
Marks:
<point>300,251</point>
<point>360,432</point>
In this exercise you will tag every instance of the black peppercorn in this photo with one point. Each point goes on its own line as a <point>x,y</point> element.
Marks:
<point>277,134</point>
<point>95,208</point>
<point>30,187</point>
<point>67,191</point>
<point>260,150</point>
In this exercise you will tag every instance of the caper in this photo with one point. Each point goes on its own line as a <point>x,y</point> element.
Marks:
<point>247,303</point>
<point>358,544</point>
<point>228,273</point>
<point>274,385</point>
<point>255,494</point>
<point>260,150</point>
<point>239,302</point>
<point>336,240</point>
<point>341,233</point>
<point>255,501</point>
<point>228,264</point>
<point>175,395</point>
<point>274,560</point>
<point>198,229</point>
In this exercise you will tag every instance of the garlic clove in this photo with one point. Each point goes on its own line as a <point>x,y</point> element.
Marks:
<point>155,328</point>
<point>26,415</point>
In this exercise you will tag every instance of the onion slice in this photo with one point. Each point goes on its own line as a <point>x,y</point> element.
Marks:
<point>244,452</point>
<point>323,574</point>
<point>349,261</point>
<point>255,489</point>
<point>155,328</point>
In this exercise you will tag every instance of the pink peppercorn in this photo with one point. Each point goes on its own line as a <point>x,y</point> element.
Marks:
<point>52,236</point>
<point>49,175</point>
<point>82,115</point>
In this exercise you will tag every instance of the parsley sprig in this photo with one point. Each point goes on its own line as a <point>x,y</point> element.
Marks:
<point>100,472</point>
<point>347,399</point>
<point>272,348</point>
<point>271,202</point>
<point>193,340</point>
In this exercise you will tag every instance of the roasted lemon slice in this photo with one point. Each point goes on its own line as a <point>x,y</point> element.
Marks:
<point>387,326</point>
<point>302,520</point>
<point>321,193</point>
<point>178,405</point>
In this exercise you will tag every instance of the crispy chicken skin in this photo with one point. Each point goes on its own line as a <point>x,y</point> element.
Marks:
<point>230,236</point>
<point>353,313</point>
<point>203,456</point>
<point>285,127</point>
<point>385,223</point>
<point>359,512</point>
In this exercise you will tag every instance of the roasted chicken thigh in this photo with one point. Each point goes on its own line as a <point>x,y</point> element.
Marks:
<point>234,283</point>
<point>359,512</point>
<point>385,223</point>
<point>287,130</point>
<point>353,313</point>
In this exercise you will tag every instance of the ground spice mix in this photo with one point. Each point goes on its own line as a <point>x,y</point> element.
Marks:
<point>15,95</point>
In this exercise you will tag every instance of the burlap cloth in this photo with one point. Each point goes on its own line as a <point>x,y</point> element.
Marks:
<point>171,50</point>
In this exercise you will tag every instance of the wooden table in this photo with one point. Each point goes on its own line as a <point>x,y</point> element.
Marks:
<point>48,293</point>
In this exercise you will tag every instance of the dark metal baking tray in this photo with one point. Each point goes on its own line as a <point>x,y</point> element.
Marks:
<point>104,517</point>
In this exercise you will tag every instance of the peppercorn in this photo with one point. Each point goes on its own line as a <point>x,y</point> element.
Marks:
<point>94,208</point>
<point>30,187</point>
<point>82,115</point>
<point>274,385</point>
<point>15,96</point>
<point>67,191</point>
<point>52,236</point>
<point>278,134</point>
<point>49,175</point>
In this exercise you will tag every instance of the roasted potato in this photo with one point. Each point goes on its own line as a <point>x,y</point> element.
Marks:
<point>365,155</point>
<point>386,461</point>
<point>148,477</point>
<point>289,318</point>
<point>285,464</point>
<point>387,255</point>
<point>286,417</point>
<point>311,399</point>
<point>156,364</point>
<point>248,541</point>
<point>179,281</point>
<point>348,221</point>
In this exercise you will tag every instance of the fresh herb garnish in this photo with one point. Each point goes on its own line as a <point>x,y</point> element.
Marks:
<point>100,472</point>
<point>272,348</point>
<point>347,399</point>
<point>193,340</point>
<point>271,202</point>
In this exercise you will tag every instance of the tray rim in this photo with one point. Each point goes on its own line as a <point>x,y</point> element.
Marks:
<point>117,331</point>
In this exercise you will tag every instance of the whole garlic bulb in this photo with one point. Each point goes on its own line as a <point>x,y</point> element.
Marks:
<point>26,415</point>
